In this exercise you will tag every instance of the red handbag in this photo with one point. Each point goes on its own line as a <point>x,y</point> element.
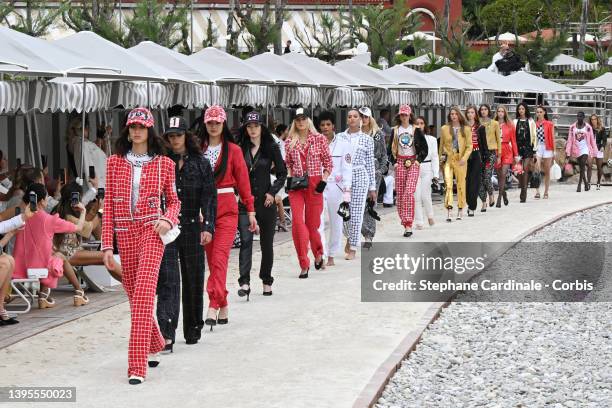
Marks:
<point>568,170</point>
<point>517,168</point>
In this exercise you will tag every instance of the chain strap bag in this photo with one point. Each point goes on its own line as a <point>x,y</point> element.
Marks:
<point>174,232</point>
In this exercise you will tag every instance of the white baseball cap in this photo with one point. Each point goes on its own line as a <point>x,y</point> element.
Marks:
<point>365,111</point>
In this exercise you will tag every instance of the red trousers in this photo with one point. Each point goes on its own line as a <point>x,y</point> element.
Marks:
<point>306,209</point>
<point>218,250</point>
<point>141,251</point>
<point>406,180</point>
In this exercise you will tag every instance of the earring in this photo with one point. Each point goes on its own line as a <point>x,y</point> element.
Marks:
<point>129,139</point>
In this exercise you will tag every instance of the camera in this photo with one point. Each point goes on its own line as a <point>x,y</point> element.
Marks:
<point>33,201</point>
<point>92,172</point>
<point>100,195</point>
<point>75,197</point>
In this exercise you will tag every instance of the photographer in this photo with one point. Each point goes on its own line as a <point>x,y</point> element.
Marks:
<point>7,263</point>
<point>34,247</point>
<point>70,244</point>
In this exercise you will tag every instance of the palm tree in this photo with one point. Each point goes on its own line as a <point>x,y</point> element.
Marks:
<point>584,18</point>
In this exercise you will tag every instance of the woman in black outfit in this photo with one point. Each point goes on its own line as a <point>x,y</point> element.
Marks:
<point>600,140</point>
<point>477,160</point>
<point>195,187</point>
<point>262,156</point>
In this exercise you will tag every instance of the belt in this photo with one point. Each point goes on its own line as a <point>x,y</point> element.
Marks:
<point>225,190</point>
<point>426,161</point>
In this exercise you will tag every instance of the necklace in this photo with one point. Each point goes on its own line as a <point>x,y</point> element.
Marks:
<point>138,155</point>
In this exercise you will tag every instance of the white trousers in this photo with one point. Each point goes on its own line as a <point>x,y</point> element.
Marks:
<point>422,195</point>
<point>332,198</point>
<point>390,185</point>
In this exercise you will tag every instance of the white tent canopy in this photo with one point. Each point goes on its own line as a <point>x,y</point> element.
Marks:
<point>563,62</point>
<point>363,74</point>
<point>320,72</point>
<point>404,75</point>
<point>490,80</point>
<point>234,69</point>
<point>604,81</point>
<point>25,55</point>
<point>175,61</point>
<point>526,82</point>
<point>449,78</point>
<point>424,60</point>
<point>508,37</point>
<point>94,48</point>
<point>280,69</point>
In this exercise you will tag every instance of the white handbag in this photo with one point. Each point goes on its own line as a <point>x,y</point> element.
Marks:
<point>174,232</point>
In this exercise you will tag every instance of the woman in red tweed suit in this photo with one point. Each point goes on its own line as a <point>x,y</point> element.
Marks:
<point>231,174</point>
<point>307,154</point>
<point>137,176</point>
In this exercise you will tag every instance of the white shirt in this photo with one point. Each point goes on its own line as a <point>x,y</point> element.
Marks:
<point>281,145</point>
<point>496,57</point>
<point>405,145</point>
<point>581,138</point>
<point>341,151</point>
<point>432,154</point>
<point>212,153</point>
<point>137,160</point>
<point>11,224</point>
<point>92,156</point>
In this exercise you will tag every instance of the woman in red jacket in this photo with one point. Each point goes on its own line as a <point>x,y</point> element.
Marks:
<point>231,174</point>
<point>509,151</point>
<point>545,144</point>
<point>136,178</point>
<point>307,155</point>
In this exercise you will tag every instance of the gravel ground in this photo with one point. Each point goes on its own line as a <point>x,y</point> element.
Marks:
<point>493,354</point>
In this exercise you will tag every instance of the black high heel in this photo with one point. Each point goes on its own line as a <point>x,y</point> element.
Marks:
<point>318,265</point>
<point>210,322</point>
<point>267,293</point>
<point>304,275</point>
<point>245,292</point>
<point>505,198</point>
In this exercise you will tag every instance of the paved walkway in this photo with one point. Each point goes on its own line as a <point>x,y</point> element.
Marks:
<point>312,344</point>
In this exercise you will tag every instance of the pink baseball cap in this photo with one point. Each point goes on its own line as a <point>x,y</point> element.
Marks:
<point>142,116</point>
<point>405,110</point>
<point>215,113</point>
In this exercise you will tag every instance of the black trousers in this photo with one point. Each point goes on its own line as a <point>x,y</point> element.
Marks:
<point>187,252</point>
<point>266,219</point>
<point>472,182</point>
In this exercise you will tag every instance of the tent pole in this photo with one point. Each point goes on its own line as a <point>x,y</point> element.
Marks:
<point>149,95</point>
<point>312,103</point>
<point>83,115</point>
<point>268,107</point>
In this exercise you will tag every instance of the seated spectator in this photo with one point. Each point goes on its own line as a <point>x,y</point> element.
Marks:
<point>70,244</point>
<point>7,263</point>
<point>34,248</point>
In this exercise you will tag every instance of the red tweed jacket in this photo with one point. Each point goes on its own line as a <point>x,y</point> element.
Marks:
<point>118,202</point>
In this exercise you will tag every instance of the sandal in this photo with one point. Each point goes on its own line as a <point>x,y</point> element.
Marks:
<point>44,300</point>
<point>79,298</point>
<point>546,196</point>
<point>537,196</point>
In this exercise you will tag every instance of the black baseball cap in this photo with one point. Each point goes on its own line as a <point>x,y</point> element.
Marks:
<point>298,112</point>
<point>176,124</point>
<point>252,117</point>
